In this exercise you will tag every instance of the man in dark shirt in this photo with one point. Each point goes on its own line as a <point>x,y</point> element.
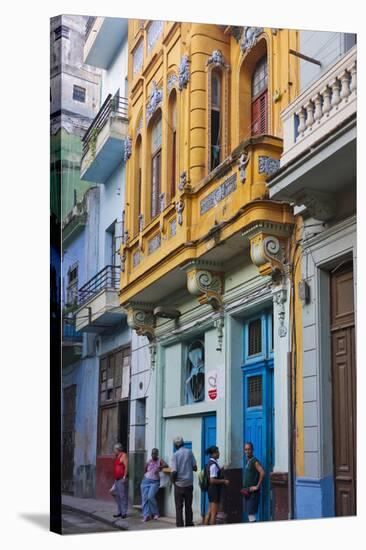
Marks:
<point>183,466</point>
<point>253,477</point>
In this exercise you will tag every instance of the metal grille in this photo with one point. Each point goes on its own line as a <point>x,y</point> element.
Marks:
<point>255,337</point>
<point>255,391</point>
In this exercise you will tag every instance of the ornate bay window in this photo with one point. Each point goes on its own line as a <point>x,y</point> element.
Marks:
<point>137,221</point>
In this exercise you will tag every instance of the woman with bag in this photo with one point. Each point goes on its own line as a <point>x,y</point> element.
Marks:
<point>215,482</point>
<point>150,485</point>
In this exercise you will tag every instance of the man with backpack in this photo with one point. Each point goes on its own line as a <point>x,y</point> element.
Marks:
<point>183,466</point>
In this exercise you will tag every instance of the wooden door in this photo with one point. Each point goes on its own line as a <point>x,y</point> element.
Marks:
<point>344,390</point>
<point>68,438</point>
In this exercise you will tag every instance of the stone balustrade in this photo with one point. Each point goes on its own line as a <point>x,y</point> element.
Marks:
<point>321,107</point>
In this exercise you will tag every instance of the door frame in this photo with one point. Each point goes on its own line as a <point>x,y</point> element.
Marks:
<point>203,462</point>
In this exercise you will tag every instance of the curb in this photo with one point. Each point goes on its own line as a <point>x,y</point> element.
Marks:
<point>119,524</point>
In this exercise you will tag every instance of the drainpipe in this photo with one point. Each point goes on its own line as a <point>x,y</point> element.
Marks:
<point>290,440</point>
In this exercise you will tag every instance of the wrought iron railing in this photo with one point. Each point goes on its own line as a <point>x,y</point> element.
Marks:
<point>107,278</point>
<point>89,26</point>
<point>112,106</point>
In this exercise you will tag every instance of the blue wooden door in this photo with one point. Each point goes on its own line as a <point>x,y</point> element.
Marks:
<point>208,439</point>
<point>258,398</point>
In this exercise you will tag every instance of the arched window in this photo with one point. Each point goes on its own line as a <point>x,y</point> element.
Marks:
<point>195,372</point>
<point>216,118</point>
<point>172,144</point>
<point>155,144</point>
<point>138,185</point>
<point>259,91</point>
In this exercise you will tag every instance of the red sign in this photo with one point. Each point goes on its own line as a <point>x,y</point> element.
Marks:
<point>212,394</point>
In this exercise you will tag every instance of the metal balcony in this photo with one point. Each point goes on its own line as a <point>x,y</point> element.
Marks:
<point>99,306</point>
<point>103,143</point>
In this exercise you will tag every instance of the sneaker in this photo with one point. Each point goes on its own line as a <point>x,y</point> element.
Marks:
<point>146,518</point>
<point>116,515</point>
<point>156,517</point>
<point>124,516</point>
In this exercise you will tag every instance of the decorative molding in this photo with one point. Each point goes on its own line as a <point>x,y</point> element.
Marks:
<point>183,77</point>
<point>208,285</point>
<point>242,164</point>
<point>216,196</point>
<point>268,247</point>
<point>217,59</point>
<point>123,261</point>
<point>136,258</point>
<point>128,148</point>
<point>268,165</point>
<point>249,38</point>
<point>154,243</point>
<point>179,207</point>
<point>172,80</point>
<point>139,124</point>
<point>142,321</point>
<point>279,299</point>
<point>320,205</point>
<point>173,227</point>
<point>182,181</point>
<point>156,97</point>
<point>141,222</point>
<point>219,325</point>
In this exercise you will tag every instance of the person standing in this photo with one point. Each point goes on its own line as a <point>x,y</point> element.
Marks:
<point>253,477</point>
<point>150,486</point>
<point>215,484</point>
<point>183,466</point>
<point>120,480</point>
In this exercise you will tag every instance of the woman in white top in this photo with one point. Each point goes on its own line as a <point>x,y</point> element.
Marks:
<point>216,481</point>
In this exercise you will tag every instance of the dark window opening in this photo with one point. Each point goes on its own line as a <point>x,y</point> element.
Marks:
<point>255,391</point>
<point>216,120</point>
<point>260,98</point>
<point>255,337</point>
<point>79,94</point>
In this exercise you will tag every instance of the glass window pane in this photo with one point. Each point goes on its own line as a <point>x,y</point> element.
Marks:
<point>255,337</point>
<point>255,391</point>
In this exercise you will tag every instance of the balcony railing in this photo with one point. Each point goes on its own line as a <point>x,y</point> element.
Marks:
<point>107,278</point>
<point>89,26</point>
<point>115,106</point>
<point>321,107</point>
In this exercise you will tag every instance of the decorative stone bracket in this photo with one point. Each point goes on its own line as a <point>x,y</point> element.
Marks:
<point>279,298</point>
<point>219,325</point>
<point>268,247</point>
<point>143,322</point>
<point>206,284</point>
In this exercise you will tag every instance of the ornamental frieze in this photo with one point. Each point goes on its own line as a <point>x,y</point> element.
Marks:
<point>268,165</point>
<point>219,194</point>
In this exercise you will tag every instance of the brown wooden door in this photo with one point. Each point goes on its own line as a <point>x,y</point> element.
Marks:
<point>68,438</point>
<point>344,390</point>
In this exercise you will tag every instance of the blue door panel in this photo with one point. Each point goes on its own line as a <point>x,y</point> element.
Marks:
<point>208,439</point>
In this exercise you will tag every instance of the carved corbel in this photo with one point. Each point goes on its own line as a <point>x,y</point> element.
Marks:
<point>207,285</point>
<point>242,164</point>
<point>269,248</point>
<point>142,321</point>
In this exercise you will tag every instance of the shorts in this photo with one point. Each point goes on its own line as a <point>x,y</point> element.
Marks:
<point>214,493</point>
<point>251,503</point>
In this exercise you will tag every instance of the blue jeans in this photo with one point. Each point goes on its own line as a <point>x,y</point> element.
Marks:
<point>121,486</point>
<point>149,488</point>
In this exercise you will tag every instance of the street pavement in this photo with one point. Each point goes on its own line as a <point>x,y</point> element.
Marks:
<point>79,513</point>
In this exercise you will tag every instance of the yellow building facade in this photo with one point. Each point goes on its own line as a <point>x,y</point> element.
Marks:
<point>206,254</point>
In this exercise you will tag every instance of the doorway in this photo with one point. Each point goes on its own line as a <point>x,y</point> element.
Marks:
<point>342,328</point>
<point>208,439</point>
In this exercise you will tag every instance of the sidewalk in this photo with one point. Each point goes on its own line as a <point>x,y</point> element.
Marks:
<point>103,511</point>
